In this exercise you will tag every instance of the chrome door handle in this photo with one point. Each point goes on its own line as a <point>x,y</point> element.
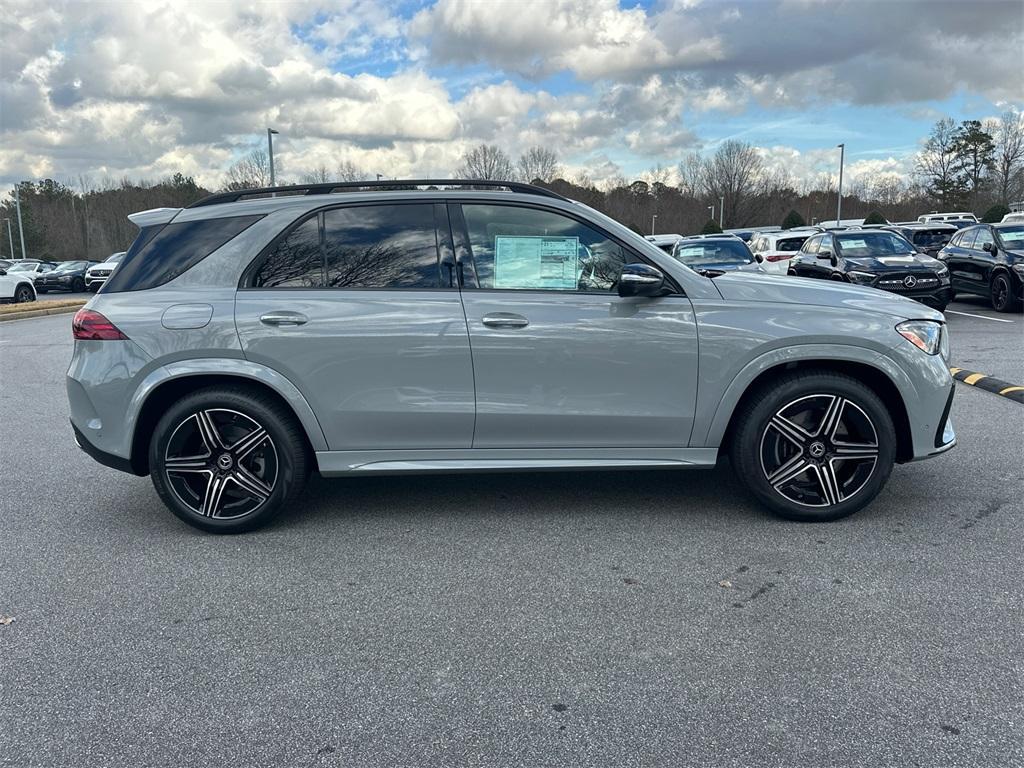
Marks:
<point>504,320</point>
<point>284,318</point>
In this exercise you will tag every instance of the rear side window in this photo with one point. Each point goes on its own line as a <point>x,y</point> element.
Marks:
<point>367,246</point>
<point>790,245</point>
<point>160,254</point>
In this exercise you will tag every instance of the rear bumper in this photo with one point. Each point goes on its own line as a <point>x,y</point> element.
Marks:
<point>106,459</point>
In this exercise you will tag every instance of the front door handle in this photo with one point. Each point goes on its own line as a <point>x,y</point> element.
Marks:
<point>284,318</point>
<point>504,320</point>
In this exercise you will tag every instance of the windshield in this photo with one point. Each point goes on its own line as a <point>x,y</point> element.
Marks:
<point>713,252</point>
<point>873,244</point>
<point>931,237</point>
<point>1012,237</point>
<point>20,267</point>
<point>68,266</point>
<point>115,258</point>
<point>790,244</point>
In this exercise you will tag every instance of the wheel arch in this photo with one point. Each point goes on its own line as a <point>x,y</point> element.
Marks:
<point>171,382</point>
<point>876,371</point>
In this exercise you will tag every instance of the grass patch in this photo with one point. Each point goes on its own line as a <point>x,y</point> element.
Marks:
<point>28,305</point>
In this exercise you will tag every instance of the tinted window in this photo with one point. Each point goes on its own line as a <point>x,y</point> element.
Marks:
<point>863,244</point>
<point>825,244</point>
<point>984,236</point>
<point>968,239</point>
<point>381,246</point>
<point>531,249</point>
<point>811,245</point>
<point>160,254</point>
<point>930,238</point>
<point>790,244</point>
<point>710,252</point>
<point>295,262</point>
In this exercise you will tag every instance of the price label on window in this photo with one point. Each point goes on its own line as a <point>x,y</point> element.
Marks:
<point>550,263</point>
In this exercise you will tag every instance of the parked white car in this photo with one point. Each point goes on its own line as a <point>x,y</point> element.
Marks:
<point>16,287</point>
<point>955,216</point>
<point>96,276</point>
<point>29,268</point>
<point>665,242</point>
<point>1013,218</point>
<point>773,250</point>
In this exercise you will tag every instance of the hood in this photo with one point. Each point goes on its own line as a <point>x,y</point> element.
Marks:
<point>724,266</point>
<point>909,263</point>
<point>756,286</point>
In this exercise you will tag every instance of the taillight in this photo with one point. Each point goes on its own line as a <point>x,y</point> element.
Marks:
<point>773,257</point>
<point>90,325</point>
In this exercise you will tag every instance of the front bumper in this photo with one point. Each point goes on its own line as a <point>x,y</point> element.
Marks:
<point>934,297</point>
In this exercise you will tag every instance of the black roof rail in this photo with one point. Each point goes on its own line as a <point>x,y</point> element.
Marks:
<point>392,185</point>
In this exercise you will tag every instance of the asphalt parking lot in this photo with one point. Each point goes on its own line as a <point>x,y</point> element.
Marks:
<point>619,619</point>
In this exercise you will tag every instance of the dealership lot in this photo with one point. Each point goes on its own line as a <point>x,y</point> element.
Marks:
<point>537,619</point>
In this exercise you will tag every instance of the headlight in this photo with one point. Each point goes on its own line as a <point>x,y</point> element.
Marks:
<point>942,271</point>
<point>861,277</point>
<point>926,335</point>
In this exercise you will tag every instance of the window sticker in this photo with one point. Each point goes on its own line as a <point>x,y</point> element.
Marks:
<point>853,244</point>
<point>536,262</point>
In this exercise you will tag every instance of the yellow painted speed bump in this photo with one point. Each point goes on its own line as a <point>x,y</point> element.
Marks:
<point>989,384</point>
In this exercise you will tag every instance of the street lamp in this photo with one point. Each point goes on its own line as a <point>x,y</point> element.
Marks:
<point>721,212</point>
<point>654,217</point>
<point>270,147</point>
<point>21,230</point>
<point>380,176</point>
<point>839,204</point>
<point>712,209</point>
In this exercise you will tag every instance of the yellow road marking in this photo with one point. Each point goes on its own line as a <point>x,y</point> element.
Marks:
<point>955,371</point>
<point>974,378</point>
<point>1008,390</point>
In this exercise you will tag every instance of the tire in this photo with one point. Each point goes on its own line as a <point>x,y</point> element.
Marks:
<point>23,294</point>
<point>829,488</point>
<point>1000,293</point>
<point>243,486</point>
<point>78,285</point>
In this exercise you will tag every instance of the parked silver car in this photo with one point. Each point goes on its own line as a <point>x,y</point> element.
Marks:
<point>248,340</point>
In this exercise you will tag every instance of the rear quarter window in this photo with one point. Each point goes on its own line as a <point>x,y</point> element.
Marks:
<point>160,254</point>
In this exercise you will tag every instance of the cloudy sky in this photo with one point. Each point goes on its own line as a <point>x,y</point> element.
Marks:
<point>145,89</point>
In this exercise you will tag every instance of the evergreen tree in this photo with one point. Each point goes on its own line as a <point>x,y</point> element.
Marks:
<point>793,220</point>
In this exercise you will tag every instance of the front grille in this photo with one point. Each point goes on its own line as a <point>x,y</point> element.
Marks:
<point>907,283</point>
<point>99,274</point>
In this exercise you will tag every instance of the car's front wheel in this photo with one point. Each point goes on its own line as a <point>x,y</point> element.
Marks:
<point>23,294</point>
<point>814,446</point>
<point>78,285</point>
<point>227,459</point>
<point>1001,293</point>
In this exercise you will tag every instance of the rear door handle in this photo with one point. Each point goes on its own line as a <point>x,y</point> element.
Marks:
<point>284,318</point>
<point>504,320</point>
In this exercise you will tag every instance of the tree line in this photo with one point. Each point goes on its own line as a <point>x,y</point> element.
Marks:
<point>974,165</point>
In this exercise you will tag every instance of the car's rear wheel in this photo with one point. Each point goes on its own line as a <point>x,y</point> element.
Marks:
<point>227,459</point>
<point>814,446</point>
<point>23,294</point>
<point>1001,293</point>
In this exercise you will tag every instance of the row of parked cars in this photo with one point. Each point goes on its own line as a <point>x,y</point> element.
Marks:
<point>22,279</point>
<point>930,260</point>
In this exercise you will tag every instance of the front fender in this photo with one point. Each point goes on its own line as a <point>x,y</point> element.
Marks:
<point>243,369</point>
<point>713,427</point>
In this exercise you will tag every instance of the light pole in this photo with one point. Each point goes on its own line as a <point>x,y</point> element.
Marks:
<point>380,176</point>
<point>21,230</point>
<point>270,153</point>
<point>10,236</point>
<point>839,204</point>
<point>721,212</point>
<point>654,218</point>
<point>712,209</point>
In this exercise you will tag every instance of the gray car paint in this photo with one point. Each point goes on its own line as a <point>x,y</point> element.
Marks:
<point>668,373</point>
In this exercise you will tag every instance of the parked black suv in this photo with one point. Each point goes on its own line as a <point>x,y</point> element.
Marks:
<point>988,260</point>
<point>927,238</point>
<point>875,258</point>
<point>66,276</point>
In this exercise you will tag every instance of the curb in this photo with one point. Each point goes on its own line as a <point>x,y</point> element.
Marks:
<point>5,316</point>
<point>989,384</point>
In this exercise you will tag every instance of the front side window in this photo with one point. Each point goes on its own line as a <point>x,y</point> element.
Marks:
<point>984,237</point>
<point>969,238</point>
<point>533,249</point>
<point>810,245</point>
<point>825,244</point>
<point>367,246</point>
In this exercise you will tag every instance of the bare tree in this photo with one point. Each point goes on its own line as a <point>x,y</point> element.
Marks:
<point>539,163</point>
<point>735,174</point>
<point>939,164</point>
<point>486,162</point>
<point>349,171</point>
<point>1008,174</point>
<point>318,175</point>
<point>249,172</point>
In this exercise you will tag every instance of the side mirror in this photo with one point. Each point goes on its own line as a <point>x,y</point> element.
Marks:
<point>989,247</point>
<point>824,254</point>
<point>641,280</point>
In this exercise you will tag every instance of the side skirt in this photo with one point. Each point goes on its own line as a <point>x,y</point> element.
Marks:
<point>335,463</point>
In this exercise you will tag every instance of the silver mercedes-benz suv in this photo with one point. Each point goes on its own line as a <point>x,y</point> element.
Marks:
<point>445,326</point>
